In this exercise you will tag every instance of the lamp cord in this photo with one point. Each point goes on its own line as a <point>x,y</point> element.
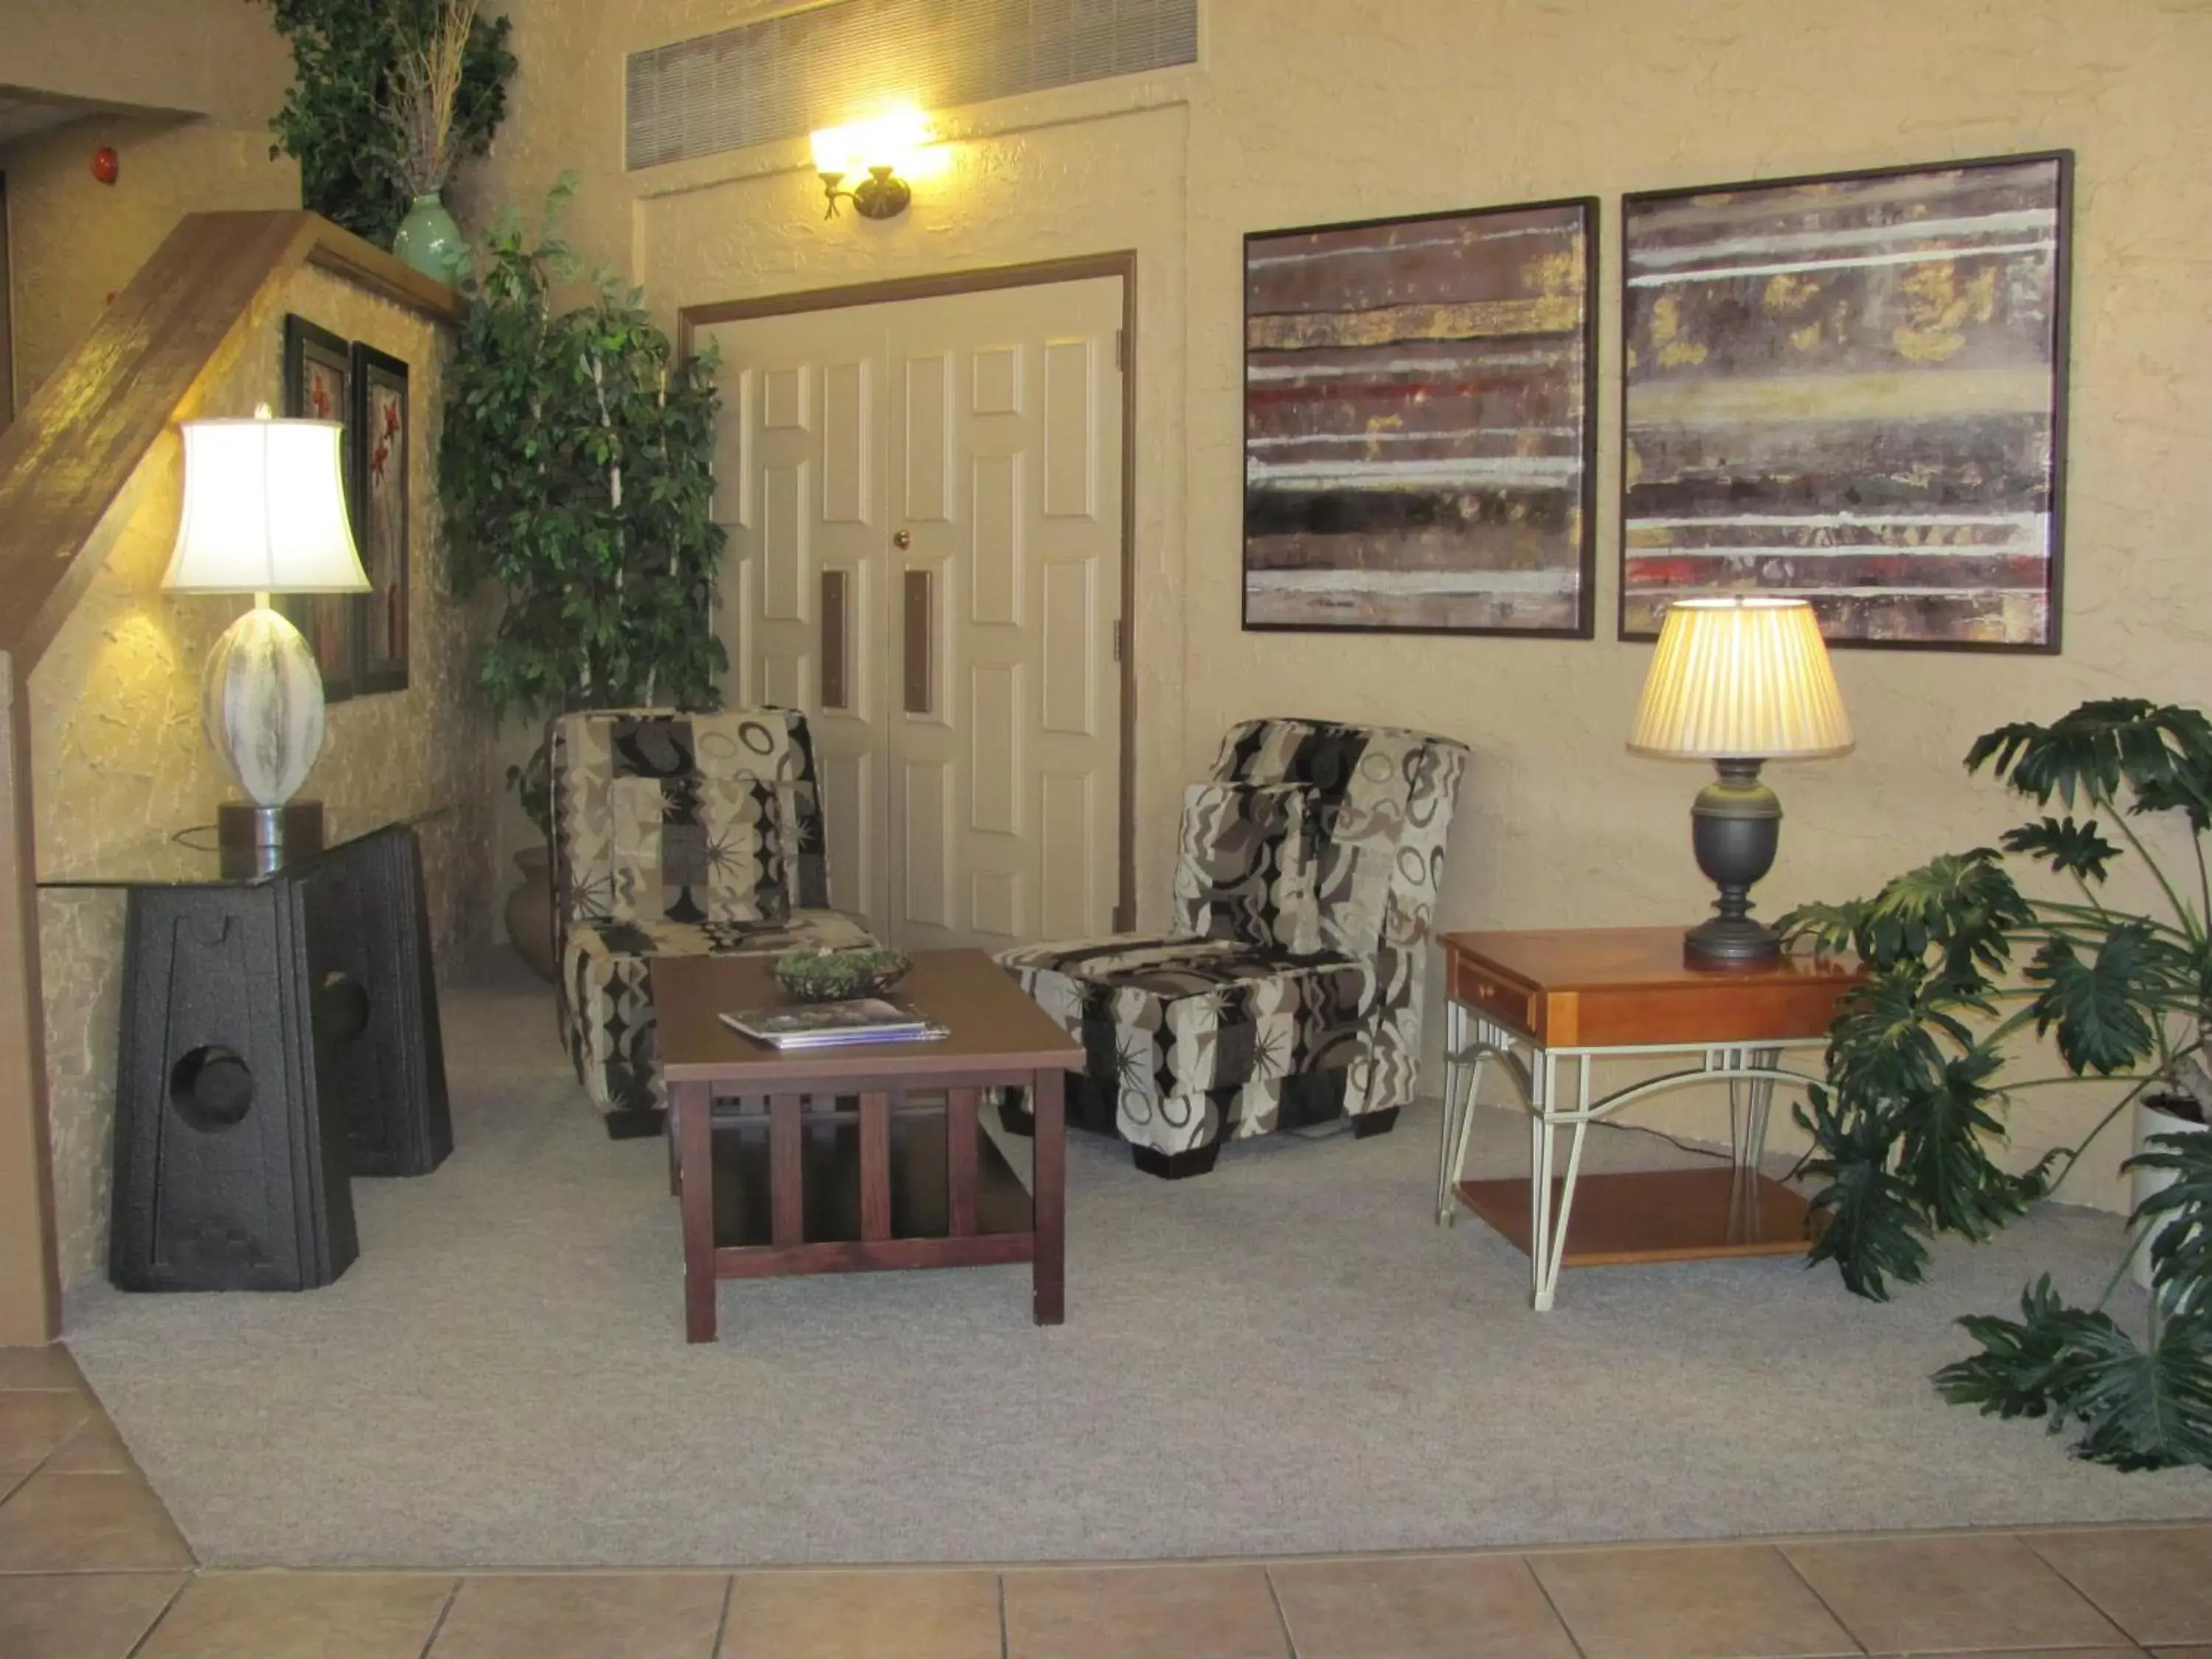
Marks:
<point>1685,1145</point>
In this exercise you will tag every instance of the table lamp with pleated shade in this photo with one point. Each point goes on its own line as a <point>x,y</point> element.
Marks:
<point>264,513</point>
<point>1739,682</point>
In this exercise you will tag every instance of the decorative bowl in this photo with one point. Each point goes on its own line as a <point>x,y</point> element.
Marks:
<point>826,975</point>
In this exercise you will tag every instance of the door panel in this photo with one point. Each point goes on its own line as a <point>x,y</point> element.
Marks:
<point>924,553</point>
<point>848,428</point>
<point>928,440</point>
<point>799,458</point>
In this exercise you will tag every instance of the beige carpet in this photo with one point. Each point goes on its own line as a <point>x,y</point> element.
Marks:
<point>1284,1356</point>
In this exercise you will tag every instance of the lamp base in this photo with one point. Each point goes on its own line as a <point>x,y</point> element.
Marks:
<point>261,705</point>
<point>1734,828</point>
<point>256,840</point>
<point>1731,942</point>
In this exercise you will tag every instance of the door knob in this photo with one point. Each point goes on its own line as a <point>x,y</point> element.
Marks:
<point>902,538</point>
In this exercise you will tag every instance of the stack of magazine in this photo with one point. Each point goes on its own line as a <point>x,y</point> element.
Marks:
<point>833,1024</point>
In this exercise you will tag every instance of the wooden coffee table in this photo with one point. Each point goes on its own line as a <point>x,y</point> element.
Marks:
<point>827,1167</point>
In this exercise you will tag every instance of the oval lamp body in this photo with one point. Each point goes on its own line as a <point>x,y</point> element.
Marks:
<point>261,704</point>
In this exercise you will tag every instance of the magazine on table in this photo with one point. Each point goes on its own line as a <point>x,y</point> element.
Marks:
<point>828,1024</point>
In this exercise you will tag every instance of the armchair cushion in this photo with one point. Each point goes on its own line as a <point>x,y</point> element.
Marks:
<point>1244,864</point>
<point>1195,1040</point>
<point>694,849</point>
<point>607,979</point>
<point>664,817</point>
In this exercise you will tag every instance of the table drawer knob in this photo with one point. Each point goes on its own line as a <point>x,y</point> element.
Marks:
<point>1505,1002</point>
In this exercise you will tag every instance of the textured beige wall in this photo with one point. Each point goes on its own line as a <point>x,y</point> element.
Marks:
<point>215,58</point>
<point>74,242</point>
<point>1308,110</point>
<point>120,760</point>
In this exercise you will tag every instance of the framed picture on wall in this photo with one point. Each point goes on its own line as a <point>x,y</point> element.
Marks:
<point>318,386</point>
<point>1851,388</point>
<point>1419,450</point>
<point>386,438</point>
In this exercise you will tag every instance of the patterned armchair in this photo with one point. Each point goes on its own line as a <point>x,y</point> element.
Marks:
<point>675,835</point>
<point>1289,989</point>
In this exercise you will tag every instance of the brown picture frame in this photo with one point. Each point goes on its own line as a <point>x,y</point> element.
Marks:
<point>318,385</point>
<point>1420,424</point>
<point>384,435</point>
<point>1850,387</point>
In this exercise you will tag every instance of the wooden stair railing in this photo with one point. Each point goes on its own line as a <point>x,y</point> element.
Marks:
<point>65,462</point>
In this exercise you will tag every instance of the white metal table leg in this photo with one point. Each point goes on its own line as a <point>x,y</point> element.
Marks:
<point>1548,1237</point>
<point>1456,1066</point>
<point>1758,1093</point>
<point>1751,1101</point>
<point>1488,1041</point>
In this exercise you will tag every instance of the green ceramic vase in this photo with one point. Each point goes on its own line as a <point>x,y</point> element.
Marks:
<point>430,241</point>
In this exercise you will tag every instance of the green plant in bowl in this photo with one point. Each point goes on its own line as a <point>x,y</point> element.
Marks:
<point>821,975</point>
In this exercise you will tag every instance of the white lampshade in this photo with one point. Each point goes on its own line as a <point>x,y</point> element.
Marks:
<point>1744,679</point>
<point>264,510</point>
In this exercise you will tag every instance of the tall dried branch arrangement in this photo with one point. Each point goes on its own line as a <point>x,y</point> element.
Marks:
<point>426,86</point>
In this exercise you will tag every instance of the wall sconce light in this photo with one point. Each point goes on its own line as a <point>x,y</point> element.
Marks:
<point>877,148</point>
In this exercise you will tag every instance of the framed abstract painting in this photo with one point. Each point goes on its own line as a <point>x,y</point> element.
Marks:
<point>1851,389</point>
<point>1419,451</point>
<point>318,386</point>
<point>386,439</point>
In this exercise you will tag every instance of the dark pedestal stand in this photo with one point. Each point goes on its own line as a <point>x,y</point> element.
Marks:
<point>278,1036</point>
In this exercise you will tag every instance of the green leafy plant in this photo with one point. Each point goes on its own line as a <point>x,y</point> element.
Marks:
<point>575,473</point>
<point>821,975</point>
<point>1962,966</point>
<point>339,118</point>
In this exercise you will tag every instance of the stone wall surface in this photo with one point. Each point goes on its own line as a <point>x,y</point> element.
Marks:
<point>1315,111</point>
<point>194,85</point>
<point>120,761</point>
<point>221,59</point>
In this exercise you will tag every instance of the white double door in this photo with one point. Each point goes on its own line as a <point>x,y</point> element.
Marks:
<point>924,506</point>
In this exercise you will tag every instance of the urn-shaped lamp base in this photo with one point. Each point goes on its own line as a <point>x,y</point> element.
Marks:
<point>261,705</point>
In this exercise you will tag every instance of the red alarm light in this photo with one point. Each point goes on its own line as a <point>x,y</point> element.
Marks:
<point>105,164</point>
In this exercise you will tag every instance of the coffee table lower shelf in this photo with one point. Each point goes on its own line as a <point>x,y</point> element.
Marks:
<point>830,1173</point>
<point>1660,1215</point>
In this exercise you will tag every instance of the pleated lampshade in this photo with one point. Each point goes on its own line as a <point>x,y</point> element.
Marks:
<point>264,510</point>
<point>1745,678</point>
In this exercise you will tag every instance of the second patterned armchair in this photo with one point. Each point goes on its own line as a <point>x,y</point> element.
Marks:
<point>1288,989</point>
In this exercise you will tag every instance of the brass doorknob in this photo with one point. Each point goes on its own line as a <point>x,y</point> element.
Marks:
<point>902,537</point>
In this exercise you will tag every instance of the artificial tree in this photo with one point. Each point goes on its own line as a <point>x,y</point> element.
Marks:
<point>338,118</point>
<point>1963,966</point>
<point>575,469</point>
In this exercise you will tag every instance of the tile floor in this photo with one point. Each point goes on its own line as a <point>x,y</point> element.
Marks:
<point>91,1568</point>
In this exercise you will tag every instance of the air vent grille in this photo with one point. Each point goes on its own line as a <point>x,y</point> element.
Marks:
<point>786,75</point>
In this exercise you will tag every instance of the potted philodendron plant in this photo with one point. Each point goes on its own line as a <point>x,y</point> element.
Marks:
<point>1968,974</point>
<point>575,470</point>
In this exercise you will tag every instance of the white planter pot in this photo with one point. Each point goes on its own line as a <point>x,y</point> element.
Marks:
<point>2149,1121</point>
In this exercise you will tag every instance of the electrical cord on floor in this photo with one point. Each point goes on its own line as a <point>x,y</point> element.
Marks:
<point>1721,1153</point>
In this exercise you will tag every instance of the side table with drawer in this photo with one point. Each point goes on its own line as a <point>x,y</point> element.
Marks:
<point>1531,1002</point>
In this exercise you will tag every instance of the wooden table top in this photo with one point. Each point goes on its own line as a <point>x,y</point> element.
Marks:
<point>1616,958</point>
<point>994,1025</point>
<point>1595,987</point>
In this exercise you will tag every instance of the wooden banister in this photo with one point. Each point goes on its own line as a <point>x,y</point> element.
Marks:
<point>67,458</point>
<point>146,365</point>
